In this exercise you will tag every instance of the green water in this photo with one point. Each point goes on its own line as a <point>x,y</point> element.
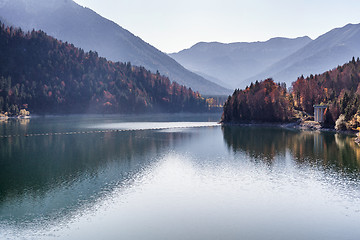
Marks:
<point>174,177</point>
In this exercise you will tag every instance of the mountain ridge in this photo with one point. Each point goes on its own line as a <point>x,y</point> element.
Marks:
<point>68,21</point>
<point>327,51</point>
<point>311,58</point>
<point>230,62</point>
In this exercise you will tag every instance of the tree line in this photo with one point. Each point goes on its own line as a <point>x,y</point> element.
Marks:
<point>45,75</point>
<point>264,101</point>
<point>267,101</point>
<point>339,88</point>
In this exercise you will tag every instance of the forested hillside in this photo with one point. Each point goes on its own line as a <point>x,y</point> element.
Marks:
<point>68,21</point>
<point>263,101</point>
<point>45,75</point>
<point>338,88</point>
<point>269,102</point>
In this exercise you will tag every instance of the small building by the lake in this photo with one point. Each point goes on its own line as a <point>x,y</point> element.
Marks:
<point>319,111</point>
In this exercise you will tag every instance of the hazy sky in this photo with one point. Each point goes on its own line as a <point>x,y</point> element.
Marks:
<point>174,25</point>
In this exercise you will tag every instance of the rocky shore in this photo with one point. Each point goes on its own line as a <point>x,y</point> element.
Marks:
<point>23,113</point>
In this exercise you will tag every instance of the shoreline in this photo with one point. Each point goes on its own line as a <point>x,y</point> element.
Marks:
<point>303,126</point>
<point>15,117</point>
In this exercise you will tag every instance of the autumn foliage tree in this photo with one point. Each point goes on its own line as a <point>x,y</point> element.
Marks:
<point>338,88</point>
<point>263,101</point>
<point>270,102</point>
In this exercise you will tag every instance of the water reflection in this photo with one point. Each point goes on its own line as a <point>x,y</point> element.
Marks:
<point>18,125</point>
<point>273,183</point>
<point>49,177</point>
<point>331,150</point>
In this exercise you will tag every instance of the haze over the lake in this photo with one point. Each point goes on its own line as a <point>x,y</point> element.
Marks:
<point>174,25</point>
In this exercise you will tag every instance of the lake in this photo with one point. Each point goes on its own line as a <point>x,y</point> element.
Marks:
<point>179,176</point>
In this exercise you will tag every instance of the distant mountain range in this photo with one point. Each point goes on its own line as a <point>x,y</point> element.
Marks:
<point>210,68</point>
<point>68,21</point>
<point>235,62</point>
<point>238,64</point>
<point>328,51</point>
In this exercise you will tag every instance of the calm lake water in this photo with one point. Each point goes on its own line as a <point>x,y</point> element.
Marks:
<point>174,177</point>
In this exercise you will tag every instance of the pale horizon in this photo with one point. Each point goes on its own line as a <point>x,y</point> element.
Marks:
<point>172,26</point>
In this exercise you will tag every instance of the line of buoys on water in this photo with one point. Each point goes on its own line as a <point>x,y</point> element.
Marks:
<point>58,133</point>
<point>90,132</point>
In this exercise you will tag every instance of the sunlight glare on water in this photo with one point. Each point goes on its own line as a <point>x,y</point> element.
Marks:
<point>152,125</point>
<point>181,199</point>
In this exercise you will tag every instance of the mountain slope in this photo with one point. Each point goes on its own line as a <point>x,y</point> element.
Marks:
<point>234,62</point>
<point>42,74</point>
<point>67,21</point>
<point>329,50</point>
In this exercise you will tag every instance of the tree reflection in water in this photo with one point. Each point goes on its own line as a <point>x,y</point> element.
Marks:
<point>59,174</point>
<point>335,151</point>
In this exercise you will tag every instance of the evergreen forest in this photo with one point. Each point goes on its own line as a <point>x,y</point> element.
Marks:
<point>44,75</point>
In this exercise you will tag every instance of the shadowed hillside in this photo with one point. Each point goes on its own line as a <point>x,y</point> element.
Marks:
<point>67,21</point>
<point>43,74</point>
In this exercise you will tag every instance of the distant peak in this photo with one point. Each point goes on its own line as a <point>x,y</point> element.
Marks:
<point>287,39</point>
<point>352,25</point>
<point>346,27</point>
<point>203,46</point>
<point>274,39</point>
<point>206,43</point>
